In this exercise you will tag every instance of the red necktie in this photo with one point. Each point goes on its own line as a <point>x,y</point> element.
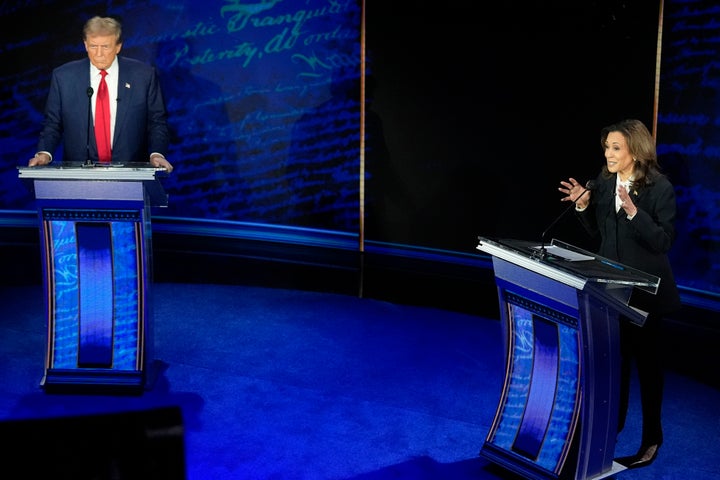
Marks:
<point>102,121</point>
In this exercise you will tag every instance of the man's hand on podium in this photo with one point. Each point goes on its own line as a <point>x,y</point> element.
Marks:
<point>39,159</point>
<point>158,161</point>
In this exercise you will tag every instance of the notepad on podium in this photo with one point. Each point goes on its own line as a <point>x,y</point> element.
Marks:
<point>564,253</point>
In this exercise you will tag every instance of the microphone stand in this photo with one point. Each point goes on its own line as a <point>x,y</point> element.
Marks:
<point>542,253</point>
<point>88,162</point>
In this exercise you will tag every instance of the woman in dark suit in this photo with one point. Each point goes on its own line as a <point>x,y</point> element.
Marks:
<point>632,210</point>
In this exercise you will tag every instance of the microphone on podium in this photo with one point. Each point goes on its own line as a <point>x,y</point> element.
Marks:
<point>88,162</point>
<point>589,185</point>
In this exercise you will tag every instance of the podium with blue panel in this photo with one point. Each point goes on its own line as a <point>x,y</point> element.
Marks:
<point>560,308</point>
<point>97,273</point>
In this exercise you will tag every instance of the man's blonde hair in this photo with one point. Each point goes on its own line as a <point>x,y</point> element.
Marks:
<point>103,26</point>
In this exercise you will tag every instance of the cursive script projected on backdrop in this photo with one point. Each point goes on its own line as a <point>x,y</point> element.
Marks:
<point>237,81</point>
<point>688,139</point>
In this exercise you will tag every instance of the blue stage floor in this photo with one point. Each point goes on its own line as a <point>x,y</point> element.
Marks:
<point>288,384</point>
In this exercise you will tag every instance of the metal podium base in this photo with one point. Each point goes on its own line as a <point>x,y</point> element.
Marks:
<point>93,381</point>
<point>616,468</point>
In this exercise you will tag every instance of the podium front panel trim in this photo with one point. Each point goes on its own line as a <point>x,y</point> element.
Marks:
<point>89,190</point>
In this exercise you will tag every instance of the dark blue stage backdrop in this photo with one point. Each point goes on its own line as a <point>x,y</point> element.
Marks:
<point>688,136</point>
<point>264,101</point>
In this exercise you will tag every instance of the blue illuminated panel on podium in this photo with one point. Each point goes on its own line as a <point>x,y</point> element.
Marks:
<point>557,414</point>
<point>96,250</point>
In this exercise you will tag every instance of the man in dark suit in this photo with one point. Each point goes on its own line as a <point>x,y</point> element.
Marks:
<point>138,120</point>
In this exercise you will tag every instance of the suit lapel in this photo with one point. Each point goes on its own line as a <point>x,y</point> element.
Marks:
<point>124,98</point>
<point>636,194</point>
<point>608,195</point>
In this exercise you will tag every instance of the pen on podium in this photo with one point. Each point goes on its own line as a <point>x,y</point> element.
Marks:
<point>611,264</point>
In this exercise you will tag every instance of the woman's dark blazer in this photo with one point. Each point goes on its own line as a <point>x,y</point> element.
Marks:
<point>644,241</point>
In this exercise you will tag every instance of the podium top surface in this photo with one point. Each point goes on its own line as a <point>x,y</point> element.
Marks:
<point>130,181</point>
<point>78,171</point>
<point>568,264</point>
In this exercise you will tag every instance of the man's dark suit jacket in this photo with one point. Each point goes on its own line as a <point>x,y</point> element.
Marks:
<point>642,243</point>
<point>141,119</point>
